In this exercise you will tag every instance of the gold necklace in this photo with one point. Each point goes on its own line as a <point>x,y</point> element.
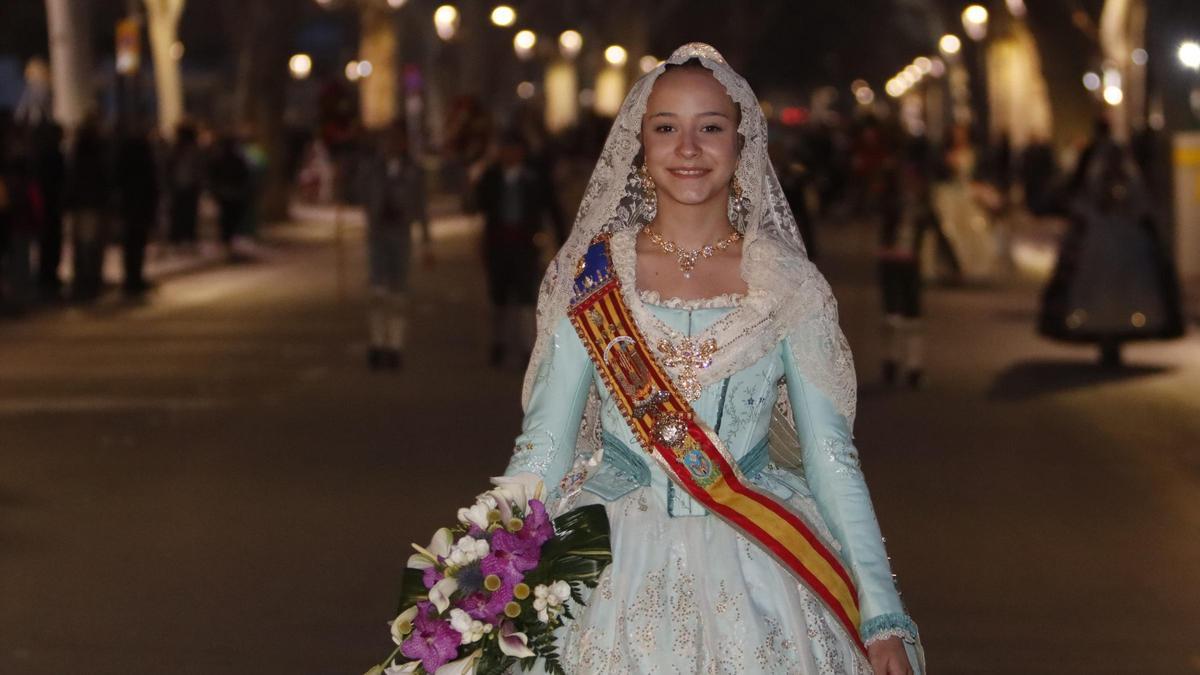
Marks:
<point>688,259</point>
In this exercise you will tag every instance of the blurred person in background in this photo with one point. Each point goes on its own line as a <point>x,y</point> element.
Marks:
<point>21,219</point>
<point>254,152</point>
<point>516,198</point>
<point>964,222</point>
<point>907,219</point>
<point>1039,175</point>
<point>1113,282</point>
<point>88,197</point>
<point>229,183</point>
<point>50,172</point>
<point>872,153</point>
<point>796,179</point>
<point>185,175</point>
<point>137,181</point>
<point>394,197</point>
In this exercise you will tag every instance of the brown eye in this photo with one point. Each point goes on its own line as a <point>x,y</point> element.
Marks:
<point>713,128</point>
<point>664,128</point>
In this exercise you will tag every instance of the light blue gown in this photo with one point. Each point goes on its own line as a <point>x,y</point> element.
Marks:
<point>685,593</point>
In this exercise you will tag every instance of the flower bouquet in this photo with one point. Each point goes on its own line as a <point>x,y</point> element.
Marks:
<point>489,592</point>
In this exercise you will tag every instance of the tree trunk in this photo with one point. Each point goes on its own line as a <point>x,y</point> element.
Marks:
<point>70,61</point>
<point>378,46</point>
<point>262,39</point>
<point>162,21</point>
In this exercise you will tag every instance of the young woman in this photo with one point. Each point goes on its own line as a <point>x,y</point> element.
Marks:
<point>690,374</point>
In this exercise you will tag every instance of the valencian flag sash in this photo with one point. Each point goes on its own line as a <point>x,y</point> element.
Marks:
<point>689,450</point>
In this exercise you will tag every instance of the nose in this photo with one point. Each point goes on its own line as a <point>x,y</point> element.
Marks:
<point>687,148</point>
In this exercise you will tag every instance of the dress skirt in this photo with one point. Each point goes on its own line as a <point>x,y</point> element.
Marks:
<point>689,596</point>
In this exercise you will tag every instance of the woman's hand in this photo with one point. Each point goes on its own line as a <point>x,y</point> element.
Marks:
<point>888,657</point>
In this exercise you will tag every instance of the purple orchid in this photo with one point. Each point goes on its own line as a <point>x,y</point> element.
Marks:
<point>511,556</point>
<point>484,606</point>
<point>432,641</point>
<point>537,528</point>
<point>431,576</point>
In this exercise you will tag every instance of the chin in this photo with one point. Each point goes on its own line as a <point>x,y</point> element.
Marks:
<point>694,196</point>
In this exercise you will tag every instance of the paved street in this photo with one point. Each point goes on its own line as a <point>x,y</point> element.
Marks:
<point>212,483</point>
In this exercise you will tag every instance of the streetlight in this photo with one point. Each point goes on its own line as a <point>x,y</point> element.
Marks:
<point>1189,54</point>
<point>949,44</point>
<point>523,43</point>
<point>396,4</point>
<point>526,90</point>
<point>364,69</point>
<point>1091,81</point>
<point>300,66</point>
<point>648,63</point>
<point>975,20</point>
<point>616,55</point>
<point>504,16</point>
<point>445,21</point>
<point>569,43</point>
<point>352,71</point>
<point>1113,95</point>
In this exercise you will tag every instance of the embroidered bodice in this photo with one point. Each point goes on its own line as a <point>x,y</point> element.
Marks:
<point>739,409</point>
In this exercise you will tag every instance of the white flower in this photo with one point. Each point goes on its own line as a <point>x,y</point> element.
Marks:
<point>519,489</point>
<point>464,666</point>
<point>560,590</point>
<point>549,599</point>
<point>440,545</point>
<point>467,550</point>
<point>477,515</point>
<point>440,594</point>
<point>402,625</point>
<point>402,668</point>
<point>470,629</point>
<point>513,643</point>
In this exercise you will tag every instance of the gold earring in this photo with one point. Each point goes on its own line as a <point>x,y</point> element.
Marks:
<point>649,192</point>
<point>738,206</point>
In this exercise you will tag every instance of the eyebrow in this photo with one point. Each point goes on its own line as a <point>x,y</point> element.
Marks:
<point>703,114</point>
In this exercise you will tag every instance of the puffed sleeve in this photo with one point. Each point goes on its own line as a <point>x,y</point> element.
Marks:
<point>546,446</point>
<point>833,473</point>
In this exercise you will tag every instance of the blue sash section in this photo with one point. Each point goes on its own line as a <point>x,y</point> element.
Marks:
<point>594,269</point>
<point>624,470</point>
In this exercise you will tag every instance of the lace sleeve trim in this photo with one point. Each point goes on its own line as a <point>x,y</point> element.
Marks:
<point>887,626</point>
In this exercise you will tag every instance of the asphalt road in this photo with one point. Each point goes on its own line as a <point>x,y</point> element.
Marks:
<point>211,482</point>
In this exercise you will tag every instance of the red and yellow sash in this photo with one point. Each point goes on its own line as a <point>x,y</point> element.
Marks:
<point>691,452</point>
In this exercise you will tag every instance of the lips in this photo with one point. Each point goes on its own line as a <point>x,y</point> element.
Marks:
<point>687,172</point>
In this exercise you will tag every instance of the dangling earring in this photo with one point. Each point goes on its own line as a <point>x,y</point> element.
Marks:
<point>645,182</point>
<point>739,205</point>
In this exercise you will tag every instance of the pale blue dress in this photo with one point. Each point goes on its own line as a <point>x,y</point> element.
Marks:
<point>685,593</point>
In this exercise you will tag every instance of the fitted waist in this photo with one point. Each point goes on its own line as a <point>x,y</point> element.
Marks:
<point>624,470</point>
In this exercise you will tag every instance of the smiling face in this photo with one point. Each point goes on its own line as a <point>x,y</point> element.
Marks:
<point>689,136</point>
